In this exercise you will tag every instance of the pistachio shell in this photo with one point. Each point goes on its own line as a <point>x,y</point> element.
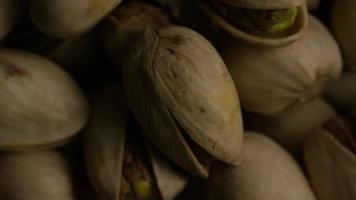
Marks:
<point>35,176</point>
<point>331,167</point>
<point>175,81</point>
<point>40,104</point>
<point>292,126</point>
<point>265,172</point>
<point>126,23</point>
<point>270,80</point>
<point>293,34</point>
<point>104,141</point>
<point>10,11</point>
<point>264,4</point>
<point>343,25</point>
<point>342,92</point>
<point>67,18</point>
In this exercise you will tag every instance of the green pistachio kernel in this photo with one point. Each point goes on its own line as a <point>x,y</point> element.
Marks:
<point>142,188</point>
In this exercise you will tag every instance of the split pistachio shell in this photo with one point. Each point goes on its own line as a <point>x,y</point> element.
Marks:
<point>35,176</point>
<point>313,4</point>
<point>270,80</point>
<point>265,172</point>
<point>291,127</point>
<point>342,92</point>
<point>331,167</point>
<point>68,18</point>
<point>179,88</point>
<point>10,11</point>
<point>40,105</point>
<point>126,23</point>
<point>289,36</point>
<point>343,25</point>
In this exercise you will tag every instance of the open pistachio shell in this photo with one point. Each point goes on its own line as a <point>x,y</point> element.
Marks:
<point>266,171</point>
<point>180,90</point>
<point>67,18</point>
<point>343,25</point>
<point>35,176</point>
<point>40,105</point>
<point>342,92</point>
<point>291,127</point>
<point>270,80</point>
<point>126,23</point>
<point>10,11</point>
<point>331,167</point>
<point>293,33</point>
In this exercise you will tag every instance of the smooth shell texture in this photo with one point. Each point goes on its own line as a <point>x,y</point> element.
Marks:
<point>126,23</point>
<point>291,127</point>
<point>104,141</point>
<point>270,80</point>
<point>343,25</point>
<point>265,172</point>
<point>264,4</point>
<point>293,34</point>
<point>175,80</point>
<point>342,92</point>
<point>68,18</point>
<point>331,167</point>
<point>10,11</point>
<point>40,104</point>
<point>35,176</point>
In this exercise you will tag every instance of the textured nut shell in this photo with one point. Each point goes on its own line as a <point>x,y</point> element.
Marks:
<point>104,141</point>
<point>331,167</point>
<point>40,104</point>
<point>126,23</point>
<point>269,80</point>
<point>291,127</point>
<point>68,18</point>
<point>264,4</point>
<point>297,32</point>
<point>342,92</point>
<point>343,25</point>
<point>313,4</point>
<point>10,11</point>
<point>175,75</point>
<point>35,176</point>
<point>266,172</point>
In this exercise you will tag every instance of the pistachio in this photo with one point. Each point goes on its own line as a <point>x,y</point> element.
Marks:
<point>47,106</point>
<point>35,176</point>
<point>291,127</point>
<point>10,12</point>
<point>285,76</point>
<point>180,90</point>
<point>68,18</point>
<point>265,172</point>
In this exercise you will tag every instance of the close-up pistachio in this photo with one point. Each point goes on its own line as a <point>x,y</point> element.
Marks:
<point>41,106</point>
<point>330,159</point>
<point>68,18</point>
<point>181,93</point>
<point>270,80</point>
<point>266,171</point>
<point>35,176</point>
<point>10,12</point>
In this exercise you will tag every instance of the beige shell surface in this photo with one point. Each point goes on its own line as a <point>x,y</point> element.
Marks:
<point>104,141</point>
<point>10,11</point>
<point>343,25</point>
<point>295,33</point>
<point>342,92</point>
<point>331,167</point>
<point>184,84</point>
<point>40,104</point>
<point>291,127</point>
<point>270,80</point>
<point>264,4</point>
<point>35,176</point>
<point>68,18</point>
<point>265,172</point>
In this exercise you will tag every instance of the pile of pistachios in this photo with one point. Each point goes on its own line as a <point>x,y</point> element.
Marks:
<point>178,100</point>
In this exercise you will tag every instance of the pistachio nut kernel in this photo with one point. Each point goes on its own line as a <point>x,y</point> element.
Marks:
<point>259,21</point>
